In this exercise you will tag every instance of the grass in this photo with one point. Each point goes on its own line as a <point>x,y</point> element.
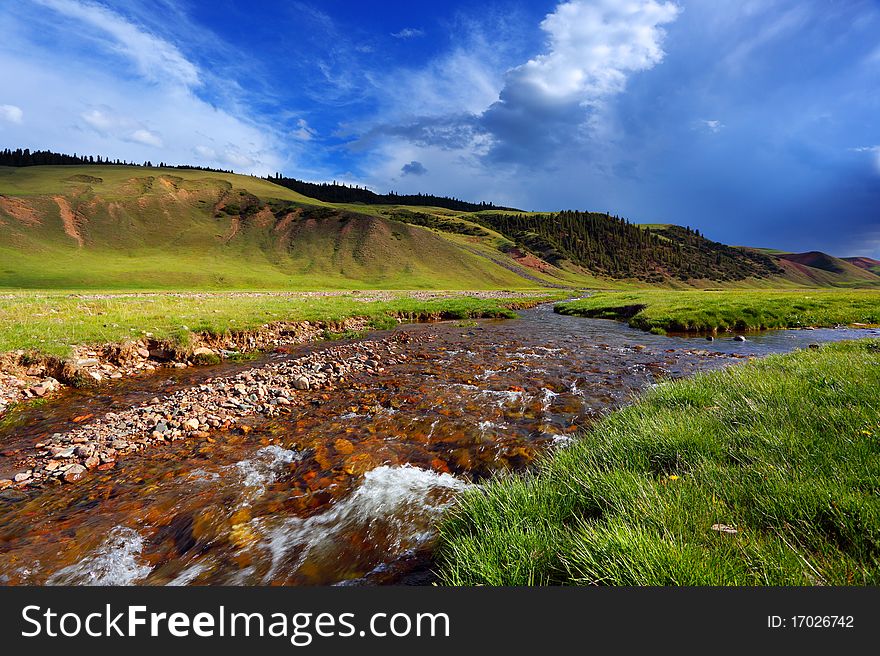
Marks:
<point>709,311</point>
<point>53,322</point>
<point>651,494</point>
<point>149,228</point>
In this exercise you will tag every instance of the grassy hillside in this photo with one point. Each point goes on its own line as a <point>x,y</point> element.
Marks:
<point>867,263</point>
<point>118,227</point>
<point>728,478</point>
<point>121,227</point>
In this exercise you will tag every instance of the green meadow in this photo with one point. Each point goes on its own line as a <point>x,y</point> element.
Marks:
<point>743,310</point>
<point>766,473</point>
<point>52,323</point>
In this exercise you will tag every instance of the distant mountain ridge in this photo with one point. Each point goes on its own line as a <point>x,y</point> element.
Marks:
<point>867,263</point>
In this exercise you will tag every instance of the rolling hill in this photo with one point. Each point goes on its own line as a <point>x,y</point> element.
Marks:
<point>116,226</point>
<point>867,263</point>
<point>78,227</point>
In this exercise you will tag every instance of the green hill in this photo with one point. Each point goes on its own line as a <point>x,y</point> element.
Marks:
<point>116,226</point>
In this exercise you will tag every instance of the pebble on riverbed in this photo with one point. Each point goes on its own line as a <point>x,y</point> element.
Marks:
<point>219,403</point>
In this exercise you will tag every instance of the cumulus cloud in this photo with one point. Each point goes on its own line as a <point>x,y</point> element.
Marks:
<point>593,46</point>
<point>712,125</point>
<point>11,113</point>
<point>526,113</point>
<point>413,168</point>
<point>592,49</point>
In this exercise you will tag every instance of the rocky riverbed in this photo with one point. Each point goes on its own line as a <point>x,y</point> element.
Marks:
<point>327,464</point>
<point>25,376</point>
<point>266,391</point>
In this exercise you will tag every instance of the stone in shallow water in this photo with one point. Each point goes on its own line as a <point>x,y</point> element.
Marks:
<point>74,473</point>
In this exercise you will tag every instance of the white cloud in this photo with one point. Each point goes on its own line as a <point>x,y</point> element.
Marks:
<point>712,125</point>
<point>560,99</point>
<point>150,110</point>
<point>100,120</point>
<point>154,58</point>
<point>474,123</point>
<point>146,137</point>
<point>408,33</point>
<point>11,113</point>
<point>592,47</point>
<point>303,131</point>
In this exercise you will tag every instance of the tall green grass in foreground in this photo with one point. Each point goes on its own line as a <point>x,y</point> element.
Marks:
<point>785,451</point>
<point>707,311</point>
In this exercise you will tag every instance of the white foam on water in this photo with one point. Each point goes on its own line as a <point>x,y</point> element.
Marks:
<point>504,397</point>
<point>115,562</point>
<point>490,426</point>
<point>397,507</point>
<point>188,575</point>
<point>547,396</point>
<point>488,373</point>
<point>260,471</point>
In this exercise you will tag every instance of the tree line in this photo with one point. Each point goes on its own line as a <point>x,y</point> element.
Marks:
<point>342,193</point>
<point>612,246</point>
<point>27,157</point>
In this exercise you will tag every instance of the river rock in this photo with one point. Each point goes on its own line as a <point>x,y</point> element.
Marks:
<point>191,424</point>
<point>22,477</point>
<point>163,355</point>
<point>739,338</point>
<point>302,383</point>
<point>202,350</point>
<point>74,473</point>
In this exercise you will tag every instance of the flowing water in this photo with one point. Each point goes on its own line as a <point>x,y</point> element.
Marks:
<point>348,488</point>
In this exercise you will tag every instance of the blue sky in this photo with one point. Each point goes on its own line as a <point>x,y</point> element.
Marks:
<point>753,120</point>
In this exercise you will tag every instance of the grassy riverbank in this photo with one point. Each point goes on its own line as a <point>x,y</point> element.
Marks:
<point>766,473</point>
<point>708,311</point>
<point>52,323</point>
